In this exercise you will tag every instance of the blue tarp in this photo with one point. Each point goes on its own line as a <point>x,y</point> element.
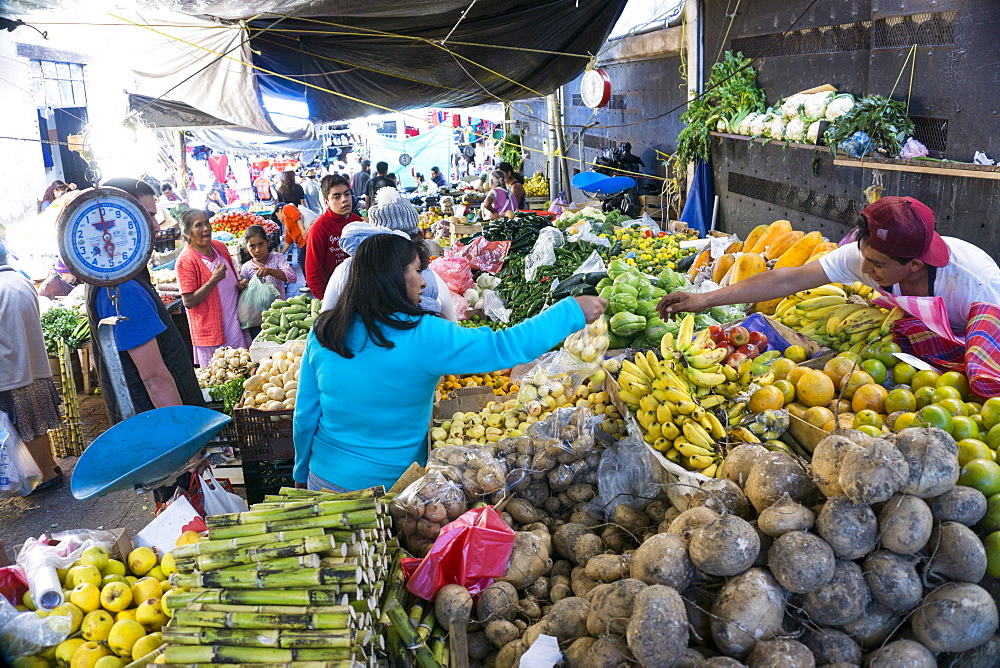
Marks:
<point>698,207</point>
<point>428,149</point>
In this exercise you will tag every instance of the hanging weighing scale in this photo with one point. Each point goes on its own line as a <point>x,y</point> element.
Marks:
<point>106,237</point>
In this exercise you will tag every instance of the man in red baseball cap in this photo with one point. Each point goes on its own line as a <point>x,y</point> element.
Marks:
<point>897,250</point>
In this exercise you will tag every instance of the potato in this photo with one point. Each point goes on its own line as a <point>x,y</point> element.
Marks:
<point>826,459</point>
<point>609,567</point>
<point>901,654</point>
<point>772,476</point>
<point>982,656</point>
<point>527,560</point>
<point>840,601</point>
<point>584,518</point>
<point>785,515</point>
<point>663,560</point>
<point>873,628</point>
<point>738,462</point>
<point>510,655</point>
<point>932,459</point>
<point>728,546</point>
<point>656,509</point>
<point>851,530</point>
<point>522,511</point>
<point>690,658</point>
<point>561,567</point>
<point>529,608</point>
<point>893,580</point>
<point>905,524</point>
<point>750,607</point>
<point>564,539</point>
<point>955,617</point>
<point>783,652</point>
<point>722,496</point>
<point>873,474</point>
<point>698,604</point>
<point>631,520</point>
<point>590,545</point>
<point>497,602</point>
<point>961,504</point>
<point>581,583</point>
<point>801,562</point>
<point>559,592</point>
<point>567,620</point>
<point>578,653</point>
<point>501,632</point>
<point>692,519</point>
<point>453,604</point>
<point>956,553</point>
<point>611,607</point>
<point>658,631</point>
<point>616,540</point>
<point>720,662</point>
<point>479,645</point>
<point>831,646</point>
<point>608,653</point>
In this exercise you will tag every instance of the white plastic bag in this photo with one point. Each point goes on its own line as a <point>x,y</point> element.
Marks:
<point>217,500</point>
<point>40,558</point>
<point>585,233</point>
<point>544,252</point>
<point>19,474</point>
<point>494,308</point>
<point>25,633</point>
<point>257,296</point>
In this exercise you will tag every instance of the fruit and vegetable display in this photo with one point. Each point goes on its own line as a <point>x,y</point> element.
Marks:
<point>226,364</point>
<point>500,383</point>
<point>838,317</point>
<point>650,252</point>
<point>64,325</point>
<point>237,222</point>
<point>289,319</point>
<point>520,228</point>
<point>537,186</point>
<point>274,386</point>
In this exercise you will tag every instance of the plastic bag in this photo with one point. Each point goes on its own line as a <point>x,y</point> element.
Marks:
<point>459,304</point>
<point>543,253</point>
<point>423,508</point>
<point>19,474</point>
<point>494,308</point>
<point>42,556</point>
<point>594,262</point>
<point>559,203</point>
<point>626,474</point>
<point>482,476</point>
<point>217,500</point>
<point>470,551</point>
<point>25,633</point>
<point>257,296</point>
<point>482,254</point>
<point>456,272</point>
<point>556,374</point>
<point>583,232</point>
<point>913,149</point>
<point>590,343</point>
<point>13,583</point>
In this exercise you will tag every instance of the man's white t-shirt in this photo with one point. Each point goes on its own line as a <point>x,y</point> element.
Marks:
<point>970,276</point>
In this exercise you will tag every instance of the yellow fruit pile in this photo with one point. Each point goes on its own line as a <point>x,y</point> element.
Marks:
<point>428,218</point>
<point>653,253</point>
<point>838,316</point>
<point>537,186</point>
<point>501,384</point>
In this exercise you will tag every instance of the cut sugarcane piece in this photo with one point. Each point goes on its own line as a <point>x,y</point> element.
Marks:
<point>286,563</point>
<point>359,519</point>
<point>258,553</point>
<point>342,619</point>
<point>209,546</point>
<point>259,637</point>
<point>346,663</point>
<point>226,654</point>
<point>408,635</point>
<point>333,576</point>
<point>292,512</point>
<point>307,597</point>
<point>268,609</point>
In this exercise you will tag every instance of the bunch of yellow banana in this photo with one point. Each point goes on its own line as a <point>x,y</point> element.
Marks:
<point>837,316</point>
<point>675,419</point>
<point>702,365</point>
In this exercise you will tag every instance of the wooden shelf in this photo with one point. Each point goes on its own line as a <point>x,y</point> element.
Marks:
<point>777,142</point>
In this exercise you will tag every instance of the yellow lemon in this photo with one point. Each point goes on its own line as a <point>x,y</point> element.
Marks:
<point>109,661</point>
<point>168,565</point>
<point>114,567</point>
<point>125,614</point>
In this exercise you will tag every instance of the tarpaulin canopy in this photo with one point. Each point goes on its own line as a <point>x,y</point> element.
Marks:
<point>349,59</point>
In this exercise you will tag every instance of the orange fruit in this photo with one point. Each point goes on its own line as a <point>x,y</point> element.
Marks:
<point>904,421</point>
<point>795,409</point>
<point>934,416</point>
<point>867,417</point>
<point>796,353</point>
<point>815,388</point>
<point>871,396</point>
<point>845,420</point>
<point>903,373</point>
<point>991,412</point>
<point>992,545</point>
<point>991,520</point>
<point>953,406</point>
<point>924,378</point>
<point>956,380</point>
<point>841,406</point>
<point>820,416</point>
<point>875,369</point>
<point>963,427</point>
<point>884,353</point>
<point>900,400</point>
<point>923,396</point>
<point>982,474</point>
<point>787,390</point>
<point>870,429</point>
<point>838,367</point>
<point>781,367</point>
<point>795,374</point>
<point>993,437</point>
<point>973,448</point>
<point>850,384</point>
<point>766,398</point>
<point>942,392</point>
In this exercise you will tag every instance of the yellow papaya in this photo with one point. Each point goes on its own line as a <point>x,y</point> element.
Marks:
<point>722,267</point>
<point>800,251</point>
<point>782,243</point>
<point>774,230</point>
<point>700,261</point>
<point>747,265</point>
<point>752,238</point>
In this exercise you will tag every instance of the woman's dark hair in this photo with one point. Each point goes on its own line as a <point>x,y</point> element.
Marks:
<point>507,168</point>
<point>287,187</point>
<point>329,182</point>
<point>861,224</point>
<point>187,220</point>
<point>254,231</point>
<point>375,292</point>
<point>50,192</point>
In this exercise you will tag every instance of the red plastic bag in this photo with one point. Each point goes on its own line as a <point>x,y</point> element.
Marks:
<point>483,254</point>
<point>456,272</point>
<point>470,551</point>
<point>13,584</point>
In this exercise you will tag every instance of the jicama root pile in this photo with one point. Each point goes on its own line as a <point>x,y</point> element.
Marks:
<point>274,386</point>
<point>226,364</point>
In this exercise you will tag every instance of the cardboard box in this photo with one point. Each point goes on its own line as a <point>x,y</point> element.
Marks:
<point>806,434</point>
<point>677,226</point>
<point>409,475</point>
<point>463,400</point>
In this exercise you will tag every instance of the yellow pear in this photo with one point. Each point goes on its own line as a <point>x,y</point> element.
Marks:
<point>62,574</point>
<point>146,588</point>
<point>95,556</point>
<point>96,625</point>
<point>131,579</point>
<point>71,611</point>
<point>124,635</point>
<point>128,613</point>
<point>109,661</point>
<point>65,650</point>
<point>114,567</point>
<point>141,560</point>
<point>146,644</point>
<point>86,596</point>
<point>168,565</point>
<point>80,574</point>
<point>87,654</point>
<point>29,602</point>
<point>29,662</point>
<point>116,596</point>
<point>150,614</point>
<point>156,573</point>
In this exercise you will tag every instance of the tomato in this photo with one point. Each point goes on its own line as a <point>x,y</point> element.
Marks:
<point>759,339</point>
<point>739,336</point>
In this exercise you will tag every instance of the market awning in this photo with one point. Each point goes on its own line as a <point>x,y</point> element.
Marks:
<point>235,143</point>
<point>168,115</point>
<point>350,59</point>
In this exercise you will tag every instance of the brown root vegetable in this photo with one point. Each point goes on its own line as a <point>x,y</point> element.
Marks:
<point>584,518</point>
<point>698,604</point>
<point>582,584</point>
<point>904,524</point>
<point>840,601</point>
<point>529,608</point>
<point>564,539</point>
<point>632,520</point>
<point>616,540</point>
<point>528,560</point>
<point>831,646</point>
<point>497,602</point>
<point>826,459</point>
<point>961,504</point>
<point>893,580</point>
<point>728,546</point>
<point>901,654</point>
<point>531,633</point>
<point>801,562</point>
<point>581,491</point>
<point>658,631</point>
<point>873,474</point>
<point>539,588</point>
<point>874,627</point>
<point>453,604</point>
<point>611,607</point>
<point>479,645</point>
<point>510,655</point>
<point>721,662</point>
<point>785,515</point>
<point>982,656</point>
<point>955,617</point>
<point>521,625</point>
<point>690,658</point>
<point>956,553</point>
<point>722,496</point>
<point>750,607</point>
<point>932,460</point>
<point>783,652</point>
<point>561,567</point>
<point>576,655</point>
<point>567,620</point>
<point>772,476</point>
<point>522,511</point>
<point>663,560</point>
<point>609,567</point>
<point>608,653</point>
<point>559,592</point>
<point>738,462</point>
<point>501,632</point>
<point>850,529</point>
<point>692,519</point>
<point>590,545</point>
<point>657,509</point>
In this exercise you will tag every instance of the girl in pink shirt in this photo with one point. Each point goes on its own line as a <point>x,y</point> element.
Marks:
<point>270,267</point>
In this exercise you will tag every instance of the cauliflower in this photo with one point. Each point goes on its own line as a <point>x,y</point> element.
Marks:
<point>796,129</point>
<point>839,106</point>
<point>721,125</point>
<point>744,128</point>
<point>759,124</point>
<point>775,128</point>
<point>813,133</point>
<point>815,104</point>
<point>790,107</point>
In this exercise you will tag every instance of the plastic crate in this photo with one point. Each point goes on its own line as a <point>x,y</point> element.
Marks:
<point>264,435</point>
<point>262,478</point>
<point>228,435</point>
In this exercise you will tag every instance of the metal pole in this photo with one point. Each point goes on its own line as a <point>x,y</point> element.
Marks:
<point>550,103</point>
<point>561,141</point>
<point>694,43</point>
<point>182,182</point>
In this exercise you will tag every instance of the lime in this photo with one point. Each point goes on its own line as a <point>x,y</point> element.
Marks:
<point>934,416</point>
<point>867,417</point>
<point>884,354</point>
<point>943,392</point>
<point>991,412</point>
<point>973,448</point>
<point>904,421</point>
<point>874,368</point>
<point>993,437</point>
<point>900,400</point>
<point>992,545</point>
<point>923,396</point>
<point>903,373</point>
<point>956,380</point>
<point>963,427</point>
<point>954,406</point>
<point>982,474</point>
<point>991,520</point>
<point>924,379</point>
<point>871,430</point>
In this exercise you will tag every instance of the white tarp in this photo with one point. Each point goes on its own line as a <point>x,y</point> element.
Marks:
<point>645,15</point>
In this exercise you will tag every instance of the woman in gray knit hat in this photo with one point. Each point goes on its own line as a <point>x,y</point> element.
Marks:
<point>391,214</point>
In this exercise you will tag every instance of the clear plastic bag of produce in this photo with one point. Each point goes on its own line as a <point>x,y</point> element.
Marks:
<point>25,633</point>
<point>482,476</point>
<point>626,474</point>
<point>19,474</point>
<point>40,558</point>
<point>494,308</point>
<point>424,507</point>
<point>582,232</point>
<point>556,376</point>
<point>482,254</point>
<point>456,272</point>
<point>590,343</point>
<point>257,296</point>
<point>767,425</point>
<point>543,253</point>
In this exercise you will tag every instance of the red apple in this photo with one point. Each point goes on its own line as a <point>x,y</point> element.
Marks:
<point>759,339</point>
<point>736,359</point>
<point>739,336</point>
<point>749,350</point>
<point>730,349</point>
<point>717,333</point>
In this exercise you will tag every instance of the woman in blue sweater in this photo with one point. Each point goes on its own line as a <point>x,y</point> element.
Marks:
<point>366,384</point>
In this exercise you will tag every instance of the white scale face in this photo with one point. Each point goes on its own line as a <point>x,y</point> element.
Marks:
<point>105,236</point>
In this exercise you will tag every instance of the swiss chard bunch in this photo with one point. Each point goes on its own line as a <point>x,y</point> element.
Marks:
<point>883,119</point>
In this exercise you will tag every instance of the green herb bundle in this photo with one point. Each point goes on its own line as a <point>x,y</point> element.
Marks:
<point>881,118</point>
<point>229,393</point>
<point>510,150</point>
<point>61,324</point>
